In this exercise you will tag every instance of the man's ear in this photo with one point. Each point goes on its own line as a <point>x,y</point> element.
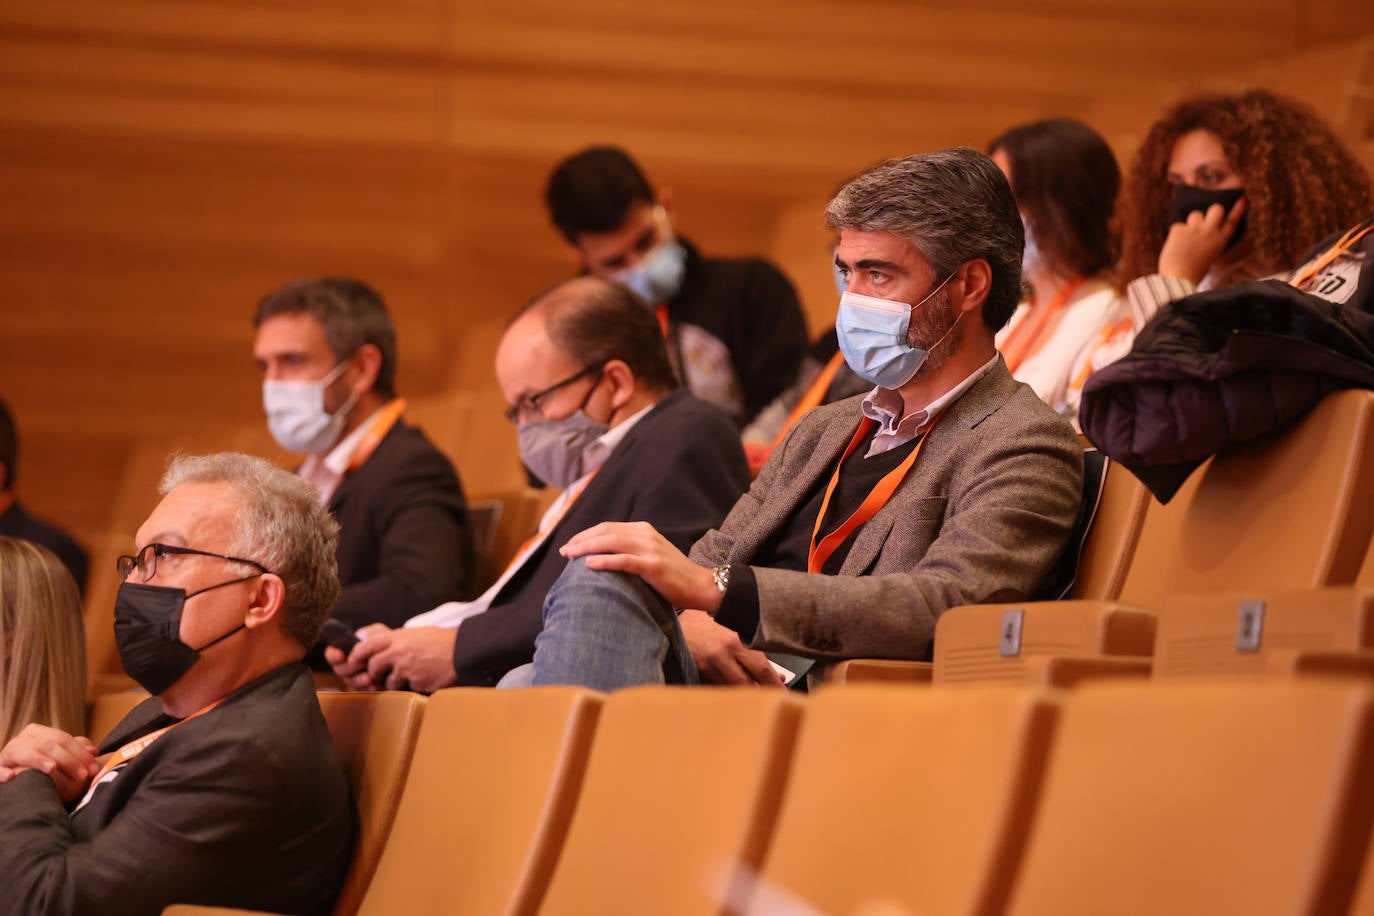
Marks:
<point>267,601</point>
<point>622,382</point>
<point>971,285</point>
<point>363,368</point>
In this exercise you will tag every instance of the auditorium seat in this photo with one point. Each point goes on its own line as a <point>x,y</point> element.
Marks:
<point>375,736</point>
<point>921,798</point>
<point>494,781</point>
<point>1293,511</point>
<point>682,783</point>
<point>1203,797</point>
<point>1015,643</point>
<point>1255,633</point>
<point>107,710</point>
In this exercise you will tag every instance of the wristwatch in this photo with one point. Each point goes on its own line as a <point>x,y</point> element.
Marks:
<point>721,576</point>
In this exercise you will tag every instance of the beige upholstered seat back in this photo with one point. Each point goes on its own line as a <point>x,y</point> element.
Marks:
<point>1203,797</point>
<point>921,798</point>
<point>494,780</point>
<point>682,782</point>
<point>1293,511</point>
<point>374,735</point>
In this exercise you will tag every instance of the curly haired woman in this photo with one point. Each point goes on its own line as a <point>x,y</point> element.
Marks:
<point>1226,188</point>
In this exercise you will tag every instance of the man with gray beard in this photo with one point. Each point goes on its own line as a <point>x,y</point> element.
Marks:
<point>948,483</point>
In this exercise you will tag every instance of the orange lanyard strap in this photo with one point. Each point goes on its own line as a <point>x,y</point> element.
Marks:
<point>813,396</point>
<point>376,431</point>
<point>1120,326</point>
<point>820,552</point>
<point>550,524</point>
<point>661,312</point>
<point>1026,334</point>
<point>1305,276</point>
<point>139,745</point>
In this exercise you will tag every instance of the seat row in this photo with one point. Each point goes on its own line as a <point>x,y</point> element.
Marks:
<point>1266,547</point>
<point>1181,797</point>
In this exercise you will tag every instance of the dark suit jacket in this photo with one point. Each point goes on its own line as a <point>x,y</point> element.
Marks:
<point>244,806</point>
<point>680,468</point>
<point>980,519</point>
<point>405,544</point>
<point>15,522</point>
<point>749,306</point>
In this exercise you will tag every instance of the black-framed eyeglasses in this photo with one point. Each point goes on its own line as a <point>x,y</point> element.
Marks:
<point>145,561</point>
<point>528,407</point>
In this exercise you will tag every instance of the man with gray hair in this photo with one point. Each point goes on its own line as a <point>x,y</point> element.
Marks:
<point>948,483</point>
<point>223,789</point>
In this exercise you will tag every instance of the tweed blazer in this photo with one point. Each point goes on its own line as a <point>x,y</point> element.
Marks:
<point>981,517</point>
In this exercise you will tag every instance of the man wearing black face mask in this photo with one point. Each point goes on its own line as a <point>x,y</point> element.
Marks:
<point>598,414</point>
<point>228,773</point>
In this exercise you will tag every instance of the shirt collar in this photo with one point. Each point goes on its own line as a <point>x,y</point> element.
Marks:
<point>595,454</point>
<point>337,459</point>
<point>884,406</point>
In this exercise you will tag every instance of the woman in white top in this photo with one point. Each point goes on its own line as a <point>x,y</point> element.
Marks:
<point>1065,180</point>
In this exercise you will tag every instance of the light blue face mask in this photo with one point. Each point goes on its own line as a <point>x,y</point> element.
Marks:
<point>873,338</point>
<point>658,277</point>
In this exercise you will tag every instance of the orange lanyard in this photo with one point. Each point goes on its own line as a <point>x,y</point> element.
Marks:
<point>1322,261</point>
<point>661,311</point>
<point>376,431</point>
<point>820,552</point>
<point>1026,334</point>
<point>814,395</point>
<point>1120,326</point>
<point>139,745</point>
<point>549,525</point>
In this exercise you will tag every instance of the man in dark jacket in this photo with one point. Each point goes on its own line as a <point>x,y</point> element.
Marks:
<point>734,330</point>
<point>223,789</point>
<point>17,522</point>
<point>327,352</point>
<point>600,416</point>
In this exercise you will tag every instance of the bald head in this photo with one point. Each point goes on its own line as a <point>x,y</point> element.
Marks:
<point>592,321</point>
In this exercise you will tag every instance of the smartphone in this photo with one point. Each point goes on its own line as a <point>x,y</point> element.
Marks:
<point>339,635</point>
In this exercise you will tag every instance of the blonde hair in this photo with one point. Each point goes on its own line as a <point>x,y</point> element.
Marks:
<point>42,643</point>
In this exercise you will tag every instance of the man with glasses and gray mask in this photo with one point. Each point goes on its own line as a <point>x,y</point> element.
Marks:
<point>327,351</point>
<point>599,415</point>
<point>223,789</point>
<point>948,483</point>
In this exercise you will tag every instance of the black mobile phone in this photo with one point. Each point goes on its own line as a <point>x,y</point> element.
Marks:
<point>339,635</point>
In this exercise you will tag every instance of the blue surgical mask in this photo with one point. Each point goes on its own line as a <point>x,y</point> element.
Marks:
<point>658,277</point>
<point>873,338</point>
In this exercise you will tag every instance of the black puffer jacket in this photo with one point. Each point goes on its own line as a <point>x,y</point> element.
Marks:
<point>1228,366</point>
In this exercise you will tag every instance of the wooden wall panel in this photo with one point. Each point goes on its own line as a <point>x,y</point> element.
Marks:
<point>164,164</point>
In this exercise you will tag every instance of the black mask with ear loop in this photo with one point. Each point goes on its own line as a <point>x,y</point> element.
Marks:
<point>1187,198</point>
<point>148,633</point>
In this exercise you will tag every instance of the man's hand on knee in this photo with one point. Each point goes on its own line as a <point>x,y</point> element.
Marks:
<point>721,657</point>
<point>636,547</point>
<point>415,658</point>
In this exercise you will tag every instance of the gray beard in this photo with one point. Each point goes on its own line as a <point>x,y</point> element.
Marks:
<point>931,322</point>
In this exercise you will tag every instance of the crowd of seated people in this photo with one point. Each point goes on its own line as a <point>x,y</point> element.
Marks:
<point>923,457</point>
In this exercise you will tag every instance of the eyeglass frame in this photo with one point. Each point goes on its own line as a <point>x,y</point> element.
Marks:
<point>126,564</point>
<point>530,402</point>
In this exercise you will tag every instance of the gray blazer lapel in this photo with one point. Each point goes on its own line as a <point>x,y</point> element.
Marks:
<point>978,403</point>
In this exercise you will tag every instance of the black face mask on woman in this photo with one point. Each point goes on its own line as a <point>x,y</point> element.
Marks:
<point>148,633</point>
<point>1187,198</point>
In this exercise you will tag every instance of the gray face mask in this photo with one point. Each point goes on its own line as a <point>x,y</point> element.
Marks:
<point>552,449</point>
